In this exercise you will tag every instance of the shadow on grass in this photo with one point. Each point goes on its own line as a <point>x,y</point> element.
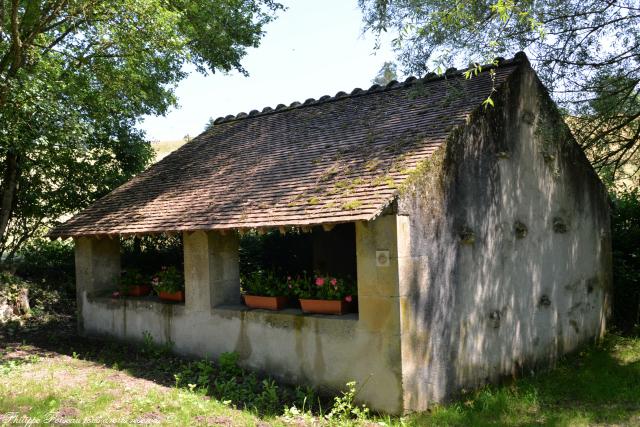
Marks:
<point>224,379</point>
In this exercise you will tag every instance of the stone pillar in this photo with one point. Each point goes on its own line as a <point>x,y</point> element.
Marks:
<point>378,280</point>
<point>97,268</point>
<point>379,304</point>
<point>211,270</point>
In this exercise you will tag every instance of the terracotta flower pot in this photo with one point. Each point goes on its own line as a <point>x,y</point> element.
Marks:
<point>172,296</point>
<point>322,306</point>
<point>267,303</point>
<point>139,290</point>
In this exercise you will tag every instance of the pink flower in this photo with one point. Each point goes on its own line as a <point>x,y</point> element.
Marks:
<point>116,294</point>
<point>334,282</point>
<point>319,281</point>
<point>288,278</point>
<point>155,280</point>
<point>348,298</point>
<point>289,286</point>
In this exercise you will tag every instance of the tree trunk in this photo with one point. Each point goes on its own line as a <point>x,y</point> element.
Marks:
<point>8,192</point>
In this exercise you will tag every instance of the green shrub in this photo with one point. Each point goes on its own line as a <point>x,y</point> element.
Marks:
<point>45,299</point>
<point>625,225</point>
<point>344,407</point>
<point>232,384</point>
<point>43,259</point>
<point>47,270</point>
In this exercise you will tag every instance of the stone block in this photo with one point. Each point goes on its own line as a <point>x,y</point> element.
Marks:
<point>211,270</point>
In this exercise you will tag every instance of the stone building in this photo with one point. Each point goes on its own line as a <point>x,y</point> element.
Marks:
<point>480,236</point>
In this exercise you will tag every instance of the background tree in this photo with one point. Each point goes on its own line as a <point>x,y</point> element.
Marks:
<point>76,76</point>
<point>388,72</point>
<point>587,52</point>
<point>210,124</point>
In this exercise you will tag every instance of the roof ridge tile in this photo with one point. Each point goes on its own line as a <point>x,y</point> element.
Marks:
<point>519,57</point>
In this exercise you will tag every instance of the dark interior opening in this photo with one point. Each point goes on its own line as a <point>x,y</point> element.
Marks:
<point>150,253</point>
<point>330,252</point>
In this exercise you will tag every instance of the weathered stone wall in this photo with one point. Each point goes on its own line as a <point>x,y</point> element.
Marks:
<point>323,351</point>
<point>506,249</point>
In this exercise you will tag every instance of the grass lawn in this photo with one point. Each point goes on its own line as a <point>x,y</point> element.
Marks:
<point>50,387</point>
<point>49,373</point>
<point>598,386</point>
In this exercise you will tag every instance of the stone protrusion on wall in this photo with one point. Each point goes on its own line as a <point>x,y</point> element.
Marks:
<point>211,270</point>
<point>560,225</point>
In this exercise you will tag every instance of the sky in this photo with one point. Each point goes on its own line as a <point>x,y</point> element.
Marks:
<point>313,48</point>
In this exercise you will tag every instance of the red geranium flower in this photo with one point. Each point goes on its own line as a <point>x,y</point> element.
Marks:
<point>348,298</point>
<point>319,281</point>
<point>334,282</point>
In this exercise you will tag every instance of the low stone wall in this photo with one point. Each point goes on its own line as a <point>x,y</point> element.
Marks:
<point>322,351</point>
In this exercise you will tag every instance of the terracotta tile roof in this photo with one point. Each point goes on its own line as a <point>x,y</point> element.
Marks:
<point>331,160</point>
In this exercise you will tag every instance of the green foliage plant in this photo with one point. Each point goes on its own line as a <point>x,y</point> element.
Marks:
<point>129,278</point>
<point>264,283</point>
<point>168,279</point>
<point>325,287</point>
<point>344,407</point>
<point>152,349</point>
<point>41,258</point>
<point>318,286</point>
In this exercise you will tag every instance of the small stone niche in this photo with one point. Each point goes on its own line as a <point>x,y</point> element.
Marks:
<point>560,225</point>
<point>503,155</point>
<point>520,229</point>
<point>494,319</point>
<point>528,117</point>
<point>467,236</point>
<point>544,301</point>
